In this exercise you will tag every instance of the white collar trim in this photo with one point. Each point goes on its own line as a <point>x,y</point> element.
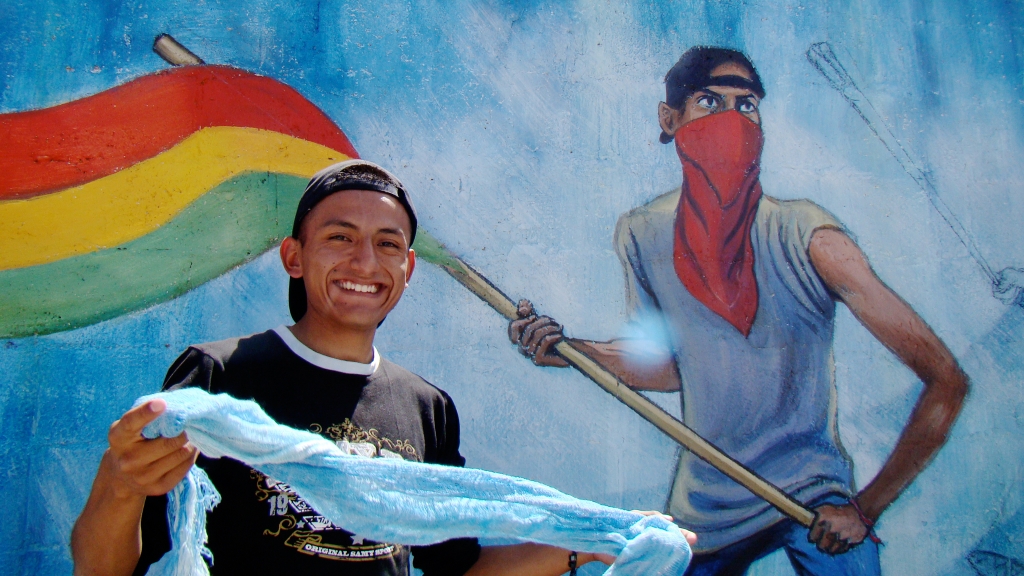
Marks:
<point>326,362</point>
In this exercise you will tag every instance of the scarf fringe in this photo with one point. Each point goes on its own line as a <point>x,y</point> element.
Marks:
<point>187,505</point>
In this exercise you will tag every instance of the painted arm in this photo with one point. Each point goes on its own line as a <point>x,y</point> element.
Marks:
<point>536,337</point>
<point>844,268</point>
<point>107,538</point>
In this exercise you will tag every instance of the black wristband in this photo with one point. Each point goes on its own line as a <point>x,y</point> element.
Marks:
<point>572,563</point>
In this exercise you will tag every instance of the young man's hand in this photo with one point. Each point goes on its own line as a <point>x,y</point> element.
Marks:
<point>136,466</point>
<point>691,538</point>
<point>107,538</point>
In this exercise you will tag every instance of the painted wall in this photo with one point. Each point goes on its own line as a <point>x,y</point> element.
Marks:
<point>524,130</point>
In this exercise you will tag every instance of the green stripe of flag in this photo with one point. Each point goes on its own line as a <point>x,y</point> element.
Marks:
<point>228,226</point>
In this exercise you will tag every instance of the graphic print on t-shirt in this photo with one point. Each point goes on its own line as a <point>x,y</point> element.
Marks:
<point>299,526</point>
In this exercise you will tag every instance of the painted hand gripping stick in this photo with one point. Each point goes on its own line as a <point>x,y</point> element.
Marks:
<point>421,503</point>
<point>135,195</point>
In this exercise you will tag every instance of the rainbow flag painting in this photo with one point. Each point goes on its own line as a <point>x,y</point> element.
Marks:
<point>133,196</point>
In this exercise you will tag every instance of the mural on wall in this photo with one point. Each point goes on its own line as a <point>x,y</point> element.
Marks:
<point>139,203</point>
<point>744,286</point>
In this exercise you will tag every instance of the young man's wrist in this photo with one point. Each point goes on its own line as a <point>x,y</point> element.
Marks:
<point>585,558</point>
<point>113,488</point>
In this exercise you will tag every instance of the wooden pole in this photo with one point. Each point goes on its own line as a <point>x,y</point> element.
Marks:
<point>429,249</point>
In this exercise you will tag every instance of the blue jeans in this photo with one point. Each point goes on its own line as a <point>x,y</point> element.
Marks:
<point>807,560</point>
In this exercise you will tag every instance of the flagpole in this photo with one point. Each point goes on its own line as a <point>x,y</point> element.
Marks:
<point>431,250</point>
<point>174,53</point>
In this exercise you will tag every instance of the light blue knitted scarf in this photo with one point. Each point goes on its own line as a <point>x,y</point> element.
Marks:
<point>421,503</point>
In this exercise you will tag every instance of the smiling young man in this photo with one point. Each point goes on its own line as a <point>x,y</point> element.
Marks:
<point>350,259</point>
<point>745,287</point>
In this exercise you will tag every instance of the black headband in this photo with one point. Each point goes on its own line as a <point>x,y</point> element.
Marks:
<point>731,81</point>
<point>677,98</point>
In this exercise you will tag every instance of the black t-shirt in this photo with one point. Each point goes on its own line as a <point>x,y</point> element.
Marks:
<point>261,525</point>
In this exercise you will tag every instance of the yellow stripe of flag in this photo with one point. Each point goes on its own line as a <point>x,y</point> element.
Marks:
<point>137,200</point>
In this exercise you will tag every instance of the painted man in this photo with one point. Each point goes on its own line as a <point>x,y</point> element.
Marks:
<point>350,259</point>
<point>745,286</point>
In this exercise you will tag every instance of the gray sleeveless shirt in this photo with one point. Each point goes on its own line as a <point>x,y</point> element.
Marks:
<point>768,400</point>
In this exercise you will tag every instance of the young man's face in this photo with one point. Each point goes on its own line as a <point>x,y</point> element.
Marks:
<point>353,256</point>
<point>713,99</point>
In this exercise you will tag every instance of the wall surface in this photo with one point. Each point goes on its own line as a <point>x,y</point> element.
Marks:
<point>524,129</point>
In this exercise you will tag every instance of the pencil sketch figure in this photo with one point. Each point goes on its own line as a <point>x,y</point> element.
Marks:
<point>1007,284</point>
<point>987,563</point>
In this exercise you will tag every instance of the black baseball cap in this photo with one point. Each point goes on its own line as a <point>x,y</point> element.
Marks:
<point>347,175</point>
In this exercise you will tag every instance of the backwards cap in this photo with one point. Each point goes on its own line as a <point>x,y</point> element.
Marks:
<point>347,175</point>
<point>693,72</point>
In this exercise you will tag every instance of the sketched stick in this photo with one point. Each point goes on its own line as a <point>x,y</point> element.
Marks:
<point>1007,285</point>
<point>431,250</point>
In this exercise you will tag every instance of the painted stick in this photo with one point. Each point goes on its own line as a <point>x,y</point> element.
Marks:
<point>174,53</point>
<point>429,249</point>
<point>1008,284</point>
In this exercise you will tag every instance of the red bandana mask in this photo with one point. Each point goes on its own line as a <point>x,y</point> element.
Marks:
<point>713,255</point>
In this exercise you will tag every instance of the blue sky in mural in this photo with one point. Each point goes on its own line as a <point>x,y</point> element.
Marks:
<point>524,130</point>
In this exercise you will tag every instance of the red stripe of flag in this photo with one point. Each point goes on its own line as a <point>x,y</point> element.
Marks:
<point>46,150</point>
